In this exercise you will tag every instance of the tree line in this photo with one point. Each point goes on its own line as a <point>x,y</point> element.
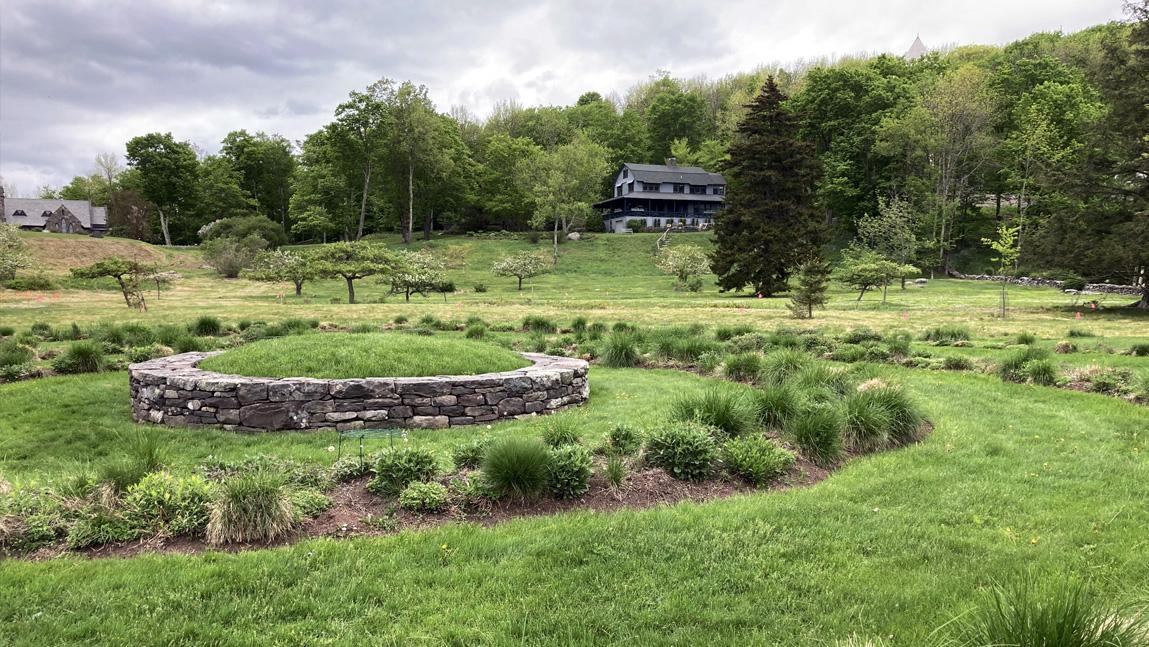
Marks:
<point>1046,134</point>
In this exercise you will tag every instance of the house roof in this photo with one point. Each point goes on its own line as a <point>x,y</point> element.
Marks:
<point>683,197</point>
<point>679,174</point>
<point>34,212</point>
<point>916,50</point>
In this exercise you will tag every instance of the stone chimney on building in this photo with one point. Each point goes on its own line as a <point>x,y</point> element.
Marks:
<point>671,161</point>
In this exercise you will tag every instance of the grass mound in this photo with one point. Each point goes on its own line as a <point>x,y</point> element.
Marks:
<point>336,356</point>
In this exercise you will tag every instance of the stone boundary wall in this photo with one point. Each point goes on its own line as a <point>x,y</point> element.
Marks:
<point>172,391</point>
<point>1104,288</point>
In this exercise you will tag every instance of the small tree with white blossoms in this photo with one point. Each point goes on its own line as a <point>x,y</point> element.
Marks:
<point>420,272</point>
<point>522,265</point>
<point>12,254</point>
<point>686,263</point>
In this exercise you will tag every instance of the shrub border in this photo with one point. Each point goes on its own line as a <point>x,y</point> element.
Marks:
<point>173,391</point>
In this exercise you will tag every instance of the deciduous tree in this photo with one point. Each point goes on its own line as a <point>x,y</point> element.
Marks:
<point>521,265</point>
<point>352,261</point>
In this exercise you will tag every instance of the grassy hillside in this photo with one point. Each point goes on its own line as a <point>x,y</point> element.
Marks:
<point>58,253</point>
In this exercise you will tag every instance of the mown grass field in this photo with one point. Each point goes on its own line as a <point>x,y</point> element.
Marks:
<point>1013,478</point>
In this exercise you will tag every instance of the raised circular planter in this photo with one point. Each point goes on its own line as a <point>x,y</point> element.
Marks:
<point>173,391</point>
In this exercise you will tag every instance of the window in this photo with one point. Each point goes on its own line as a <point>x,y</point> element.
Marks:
<point>618,191</point>
<point>697,190</point>
<point>658,222</point>
<point>19,213</point>
<point>680,188</point>
<point>719,190</point>
<point>625,172</point>
<point>630,187</point>
<point>650,186</point>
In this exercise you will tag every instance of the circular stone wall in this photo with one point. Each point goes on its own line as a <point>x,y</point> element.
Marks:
<point>172,391</point>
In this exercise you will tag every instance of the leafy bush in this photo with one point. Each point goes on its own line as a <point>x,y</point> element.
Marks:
<point>742,366</point>
<point>31,283</point>
<point>779,366</point>
<point>424,497</point>
<point>1031,612</point>
<point>480,287</point>
<point>775,406</point>
<point>686,450</point>
<point>1011,367</point>
<point>240,227</point>
<point>568,471</point>
<point>7,331</point>
<point>899,343</point>
<point>957,363</point>
<point>230,256</point>
<point>163,502</point>
<point>98,525</point>
<point>13,354</point>
<point>206,326</point>
<point>1026,338</point>
<point>1065,348</point>
<point>861,335</point>
<point>255,506</point>
<point>349,468</point>
<point>1139,350</point>
<point>756,459</point>
<point>947,334</point>
<point>80,357</point>
<point>399,320</point>
<point>469,455</point>
<point>308,502</point>
<point>817,432</point>
<point>517,466</point>
<point>560,430</point>
<point>849,353</point>
<point>726,333</point>
<point>537,323</point>
<point>622,439</point>
<point>396,468</point>
<point>475,331</point>
<point>620,350</point>
<point>726,410</point>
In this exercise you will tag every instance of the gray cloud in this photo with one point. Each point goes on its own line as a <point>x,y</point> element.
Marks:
<point>79,77</point>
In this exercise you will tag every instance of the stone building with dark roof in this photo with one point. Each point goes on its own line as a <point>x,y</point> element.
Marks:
<point>661,196</point>
<point>53,215</point>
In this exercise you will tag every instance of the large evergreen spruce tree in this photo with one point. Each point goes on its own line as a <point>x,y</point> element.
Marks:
<point>769,225</point>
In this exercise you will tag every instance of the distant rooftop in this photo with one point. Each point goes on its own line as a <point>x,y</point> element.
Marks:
<point>916,50</point>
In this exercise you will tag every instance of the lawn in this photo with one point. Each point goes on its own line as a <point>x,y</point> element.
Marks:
<point>1014,478</point>
<point>338,356</point>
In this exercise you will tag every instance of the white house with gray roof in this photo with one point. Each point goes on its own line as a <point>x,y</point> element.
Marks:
<point>58,216</point>
<point>661,196</point>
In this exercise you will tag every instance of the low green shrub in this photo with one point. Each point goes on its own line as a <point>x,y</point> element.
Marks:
<point>756,459</point>
<point>848,353</point>
<point>475,331</point>
<point>947,334</point>
<point>424,497</point>
<point>98,525</point>
<point>775,406</point>
<point>399,320</point>
<point>726,333</point>
<point>579,325</point>
<point>866,421</point>
<point>957,363</point>
<point>294,473</point>
<point>206,326</point>
<point>308,503</point>
<point>474,491</point>
<point>536,323</point>
<point>622,439</point>
<point>1065,348</point>
<point>680,345</point>
<point>174,504</point>
<point>685,450</point>
<point>742,366</point>
<point>80,357</point>
<point>31,283</point>
<point>899,343</point>
<point>726,410</point>
<point>1011,368</point>
<point>559,430</point>
<point>7,331</point>
<point>350,468</point>
<point>596,331</point>
<point>1028,611</point>
<point>905,418</point>
<point>749,342</point>
<point>517,466</point>
<point>861,335</point>
<point>780,365</point>
<point>479,288</point>
<point>144,353</point>
<point>42,330</point>
<point>1080,332</point>
<point>189,344</point>
<point>250,507</point>
<point>1042,372</point>
<point>1139,350</point>
<point>14,354</point>
<point>568,471</point>
<point>817,431</point>
<point>823,382</point>
<point>1025,338</point>
<point>620,350</point>
<point>470,454</point>
<point>396,467</point>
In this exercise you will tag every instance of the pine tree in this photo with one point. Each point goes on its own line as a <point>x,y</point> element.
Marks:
<point>769,224</point>
<point>813,279</point>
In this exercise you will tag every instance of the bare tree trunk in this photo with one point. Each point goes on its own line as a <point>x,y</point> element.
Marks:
<point>410,201</point>
<point>298,288</point>
<point>350,289</point>
<point>428,224</point>
<point>363,202</point>
<point>555,245</point>
<point>164,227</point>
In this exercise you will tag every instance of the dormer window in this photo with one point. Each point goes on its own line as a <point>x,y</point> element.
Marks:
<point>625,172</point>
<point>19,213</point>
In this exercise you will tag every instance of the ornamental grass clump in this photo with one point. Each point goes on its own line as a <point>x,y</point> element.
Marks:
<point>424,497</point>
<point>81,357</point>
<point>818,433</point>
<point>1011,368</point>
<point>620,350</point>
<point>559,431</point>
<point>779,366</point>
<point>1029,612</point>
<point>726,333</point>
<point>568,471</point>
<point>396,468</point>
<point>726,410</point>
<point>866,421</point>
<point>517,466</point>
<point>775,406</point>
<point>255,506</point>
<point>469,455</point>
<point>685,450</point>
<point>536,323</point>
<point>475,331</point>
<point>947,334</point>
<point>206,326</point>
<point>756,459</point>
<point>1042,372</point>
<point>1026,338</point>
<point>823,382</point>
<point>742,366</point>
<point>13,354</point>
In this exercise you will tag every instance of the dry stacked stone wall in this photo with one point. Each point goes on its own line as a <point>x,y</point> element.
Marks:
<point>172,391</point>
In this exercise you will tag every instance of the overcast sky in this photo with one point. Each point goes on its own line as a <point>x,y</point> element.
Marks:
<point>79,77</point>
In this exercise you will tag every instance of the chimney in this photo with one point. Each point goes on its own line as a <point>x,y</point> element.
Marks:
<point>670,161</point>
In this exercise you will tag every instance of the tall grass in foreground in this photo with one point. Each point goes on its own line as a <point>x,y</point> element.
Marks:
<point>620,350</point>
<point>1031,613</point>
<point>724,409</point>
<point>517,466</point>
